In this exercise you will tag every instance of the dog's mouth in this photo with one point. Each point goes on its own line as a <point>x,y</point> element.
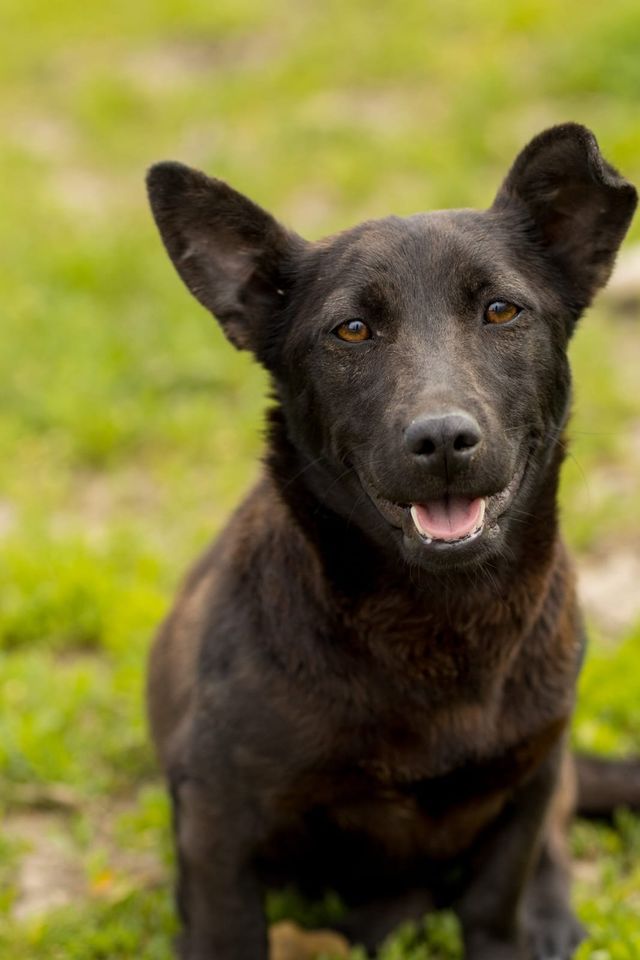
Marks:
<point>451,520</point>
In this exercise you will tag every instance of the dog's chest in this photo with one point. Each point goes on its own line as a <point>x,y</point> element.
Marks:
<point>422,703</point>
<point>428,748</point>
<point>430,792</point>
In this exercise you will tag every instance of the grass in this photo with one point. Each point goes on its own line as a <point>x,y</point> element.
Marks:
<point>129,428</point>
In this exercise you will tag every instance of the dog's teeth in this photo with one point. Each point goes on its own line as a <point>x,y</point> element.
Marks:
<point>416,522</point>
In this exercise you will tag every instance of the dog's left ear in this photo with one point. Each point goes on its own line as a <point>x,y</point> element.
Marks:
<point>234,257</point>
<point>575,204</point>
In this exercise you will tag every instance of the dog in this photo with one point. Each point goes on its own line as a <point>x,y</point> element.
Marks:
<point>366,683</point>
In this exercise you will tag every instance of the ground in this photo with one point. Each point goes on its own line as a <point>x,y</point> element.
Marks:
<point>129,428</point>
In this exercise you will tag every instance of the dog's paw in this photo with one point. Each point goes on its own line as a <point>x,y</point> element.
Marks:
<point>556,938</point>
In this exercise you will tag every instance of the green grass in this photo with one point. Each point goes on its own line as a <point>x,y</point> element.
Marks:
<point>129,428</point>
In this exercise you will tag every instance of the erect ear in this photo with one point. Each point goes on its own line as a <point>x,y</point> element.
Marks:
<point>577,206</point>
<point>232,255</point>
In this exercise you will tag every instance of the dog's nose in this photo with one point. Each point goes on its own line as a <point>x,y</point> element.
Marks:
<point>443,444</point>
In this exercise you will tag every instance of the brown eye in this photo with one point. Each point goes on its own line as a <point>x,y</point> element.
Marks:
<point>501,312</point>
<point>353,331</point>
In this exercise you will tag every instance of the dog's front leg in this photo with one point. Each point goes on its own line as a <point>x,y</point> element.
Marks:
<point>490,909</point>
<point>218,893</point>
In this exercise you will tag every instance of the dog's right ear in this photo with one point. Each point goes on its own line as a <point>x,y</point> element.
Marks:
<point>232,255</point>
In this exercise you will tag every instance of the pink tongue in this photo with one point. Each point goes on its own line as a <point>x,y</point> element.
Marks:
<point>449,519</point>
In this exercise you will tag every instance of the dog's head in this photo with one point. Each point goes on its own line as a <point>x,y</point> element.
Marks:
<point>420,361</point>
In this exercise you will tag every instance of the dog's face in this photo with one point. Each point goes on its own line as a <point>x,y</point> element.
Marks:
<point>427,354</point>
<point>421,362</point>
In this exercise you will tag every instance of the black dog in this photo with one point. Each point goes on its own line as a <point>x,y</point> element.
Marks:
<point>366,683</point>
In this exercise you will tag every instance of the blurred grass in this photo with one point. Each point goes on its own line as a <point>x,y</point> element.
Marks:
<point>129,428</point>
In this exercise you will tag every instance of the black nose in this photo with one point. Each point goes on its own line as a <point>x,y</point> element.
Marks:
<point>443,444</point>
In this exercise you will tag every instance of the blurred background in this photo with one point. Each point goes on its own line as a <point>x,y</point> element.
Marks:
<point>129,427</point>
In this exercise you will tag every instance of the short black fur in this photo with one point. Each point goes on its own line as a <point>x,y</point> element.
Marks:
<point>349,693</point>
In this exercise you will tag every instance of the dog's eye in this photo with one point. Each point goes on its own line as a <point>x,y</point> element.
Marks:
<point>353,331</point>
<point>500,311</point>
